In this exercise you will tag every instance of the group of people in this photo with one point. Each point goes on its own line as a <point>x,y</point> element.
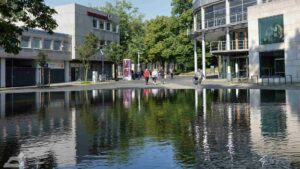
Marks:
<point>155,75</point>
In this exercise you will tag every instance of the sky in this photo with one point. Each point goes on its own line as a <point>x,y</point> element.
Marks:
<point>150,8</point>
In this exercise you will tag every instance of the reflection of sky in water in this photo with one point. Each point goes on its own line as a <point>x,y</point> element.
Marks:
<point>152,128</point>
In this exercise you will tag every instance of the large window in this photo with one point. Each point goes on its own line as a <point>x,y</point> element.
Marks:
<point>36,43</point>
<point>47,44</point>
<point>238,9</point>
<point>272,63</point>
<point>57,45</point>
<point>271,30</point>
<point>25,41</point>
<point>215,15</point>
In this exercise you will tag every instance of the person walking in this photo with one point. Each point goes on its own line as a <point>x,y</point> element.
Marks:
<point>146,75</point>
<point>171,73</point>
<point>162,75</point>
<point>154,75</point>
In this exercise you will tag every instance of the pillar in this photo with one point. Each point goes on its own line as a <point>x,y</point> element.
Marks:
<point>195,22</point>
<point>259,2</point>
<point>67,71</point>
<point>237,70</point>
<point>2,104</point>
<point>37,74</point>
<point>202,18</point>
<point>3,72</point>
<point>203,55</point>
<point>195,56</point>
<point>228,68</point>
<point>227,7</point>
<point>227,39</point>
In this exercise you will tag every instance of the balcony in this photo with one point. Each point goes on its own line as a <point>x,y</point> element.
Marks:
<point>235,45</point>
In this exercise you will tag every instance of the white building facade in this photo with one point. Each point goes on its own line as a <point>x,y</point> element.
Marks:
<point>252,39</point>
<point>74,23</point>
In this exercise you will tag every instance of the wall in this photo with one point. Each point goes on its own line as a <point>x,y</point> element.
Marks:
<point>291,45</point>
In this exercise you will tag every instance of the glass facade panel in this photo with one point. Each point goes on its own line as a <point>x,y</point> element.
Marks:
<point>47,44</point>
<point>36,43</point>
<point>271,30</point>
<point>215,15</point>
<point>25,40</point>
<point>57,45</point>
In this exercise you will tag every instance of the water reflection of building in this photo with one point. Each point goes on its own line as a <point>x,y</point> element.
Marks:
<point>274,130</point>
<point>40,125</point>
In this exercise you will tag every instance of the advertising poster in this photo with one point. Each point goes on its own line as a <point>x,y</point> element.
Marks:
<point>127,69</point>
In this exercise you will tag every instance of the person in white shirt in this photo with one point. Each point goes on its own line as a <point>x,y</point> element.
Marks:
<point>154,75</point>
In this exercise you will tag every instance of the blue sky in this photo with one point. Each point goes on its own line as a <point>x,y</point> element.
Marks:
<point>150,8</point>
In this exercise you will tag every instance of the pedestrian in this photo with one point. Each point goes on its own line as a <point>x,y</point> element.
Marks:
<point>171,73</point>
<point>162,75</point>
<point>146,75</point>
<point>154,75</point>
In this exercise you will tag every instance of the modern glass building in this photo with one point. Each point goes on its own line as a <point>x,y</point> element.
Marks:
<point>249,37</point>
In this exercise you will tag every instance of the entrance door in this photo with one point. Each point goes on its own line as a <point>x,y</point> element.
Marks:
<point>279,67</point>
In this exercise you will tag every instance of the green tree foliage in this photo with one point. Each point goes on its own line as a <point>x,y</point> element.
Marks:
<point>42,58</point>
<point>131,26</point>
<point>114,52</point>
<point>159,39</point>
<point>32,13</point>
<point>88,49</point>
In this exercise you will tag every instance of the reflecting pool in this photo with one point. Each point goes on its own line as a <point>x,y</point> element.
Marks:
<point>152,128</point>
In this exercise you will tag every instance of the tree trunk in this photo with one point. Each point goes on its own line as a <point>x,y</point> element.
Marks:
<point>116,71</point>
<point>86,74</point>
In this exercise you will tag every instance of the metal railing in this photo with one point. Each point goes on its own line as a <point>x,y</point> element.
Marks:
<point>234,45</point>
<point>238,17</point>
<point>272,80</point>
<point>214,22</point>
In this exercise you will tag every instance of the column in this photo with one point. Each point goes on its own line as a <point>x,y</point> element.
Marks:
<point>202,18</point>
<point>195,22</point>
<point>3,72</point>
<point>67,71</point>
<point>3,104</point>
<point>237,69</point>
<point>203,55</point>
<point>227,7</point>
<point>227,39</point>
<point>228,68</point>
<point>259,2</point>
<point>37,74</point>
<point>195,55</point>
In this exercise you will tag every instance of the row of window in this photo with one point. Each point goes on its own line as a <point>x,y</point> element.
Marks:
<point>108,26</point>
<point>47,44</point>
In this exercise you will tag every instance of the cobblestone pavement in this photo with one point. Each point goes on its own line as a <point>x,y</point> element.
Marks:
<point>179,82</point>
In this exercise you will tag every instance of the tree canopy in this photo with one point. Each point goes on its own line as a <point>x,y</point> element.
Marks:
<point>29,14</point>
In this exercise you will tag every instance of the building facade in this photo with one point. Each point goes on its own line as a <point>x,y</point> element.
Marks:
<point>232,29</point>
<point>74,23</point>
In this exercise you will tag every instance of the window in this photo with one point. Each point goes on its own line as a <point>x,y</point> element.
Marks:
<point>57,45</point>
<point>66,46</point>
<point>36,43</point>
<point>47,44</point>
<point>215,15</point>
<point>25,41</point>
<point>271,30</point>
<point>107,26</point>
<point>101,25</point>
<point>95,23</point>
<point>114,27</point>
<point>272,63</point>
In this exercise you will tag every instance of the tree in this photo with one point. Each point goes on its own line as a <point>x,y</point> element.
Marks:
<point>88,49</point>
<point>31,13</point>
<point>114,52</point>
<point>131,26</point>
<point>42,60</point>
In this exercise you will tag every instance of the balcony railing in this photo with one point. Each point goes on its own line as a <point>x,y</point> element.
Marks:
<point>215,22</point>
<point>219,46</point>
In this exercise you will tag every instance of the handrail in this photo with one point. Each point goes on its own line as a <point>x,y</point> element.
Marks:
<point>269,78</point>
<point>234,45</point>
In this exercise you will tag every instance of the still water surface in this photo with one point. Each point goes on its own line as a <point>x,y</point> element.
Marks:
<point>151,128</point>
